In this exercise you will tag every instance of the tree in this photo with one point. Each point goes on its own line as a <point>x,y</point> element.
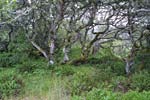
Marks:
<point>90,23</point>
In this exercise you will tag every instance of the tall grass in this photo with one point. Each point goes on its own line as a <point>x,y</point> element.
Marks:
<point>43,87</point>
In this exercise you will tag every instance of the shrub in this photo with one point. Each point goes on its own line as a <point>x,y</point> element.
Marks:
<point>20,44</point>
<point>82,82</point>
<point>99,94</point>
<point>120,84</point>
<point>104,75</point>
<point>65,70</point>
<point>10,83</point>
<point>142,60</point>
<point>5,60</point>
<point>134,95</point>
<point>27,67</point>
<point>11,59</point>
<point>118,67</point>
<point>141,80</point>
<point>114,63</point>
<point>75,97</point>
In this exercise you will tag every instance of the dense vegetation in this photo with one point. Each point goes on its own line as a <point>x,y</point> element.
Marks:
<point>74,50</point>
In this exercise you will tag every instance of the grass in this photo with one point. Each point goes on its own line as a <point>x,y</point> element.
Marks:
<point>50,83</point>
<point>46,84</point>
<point>43,86</point>
<point>47,89</point>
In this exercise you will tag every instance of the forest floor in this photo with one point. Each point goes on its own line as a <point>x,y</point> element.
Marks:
<point>101,78</point>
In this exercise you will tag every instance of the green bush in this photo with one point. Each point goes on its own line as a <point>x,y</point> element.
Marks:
<point>101,94</point>
<point>27,67</point>
<point>141,80</point>
<point>142,60</point>
<point>10,83</point>
<point>11,59</point>
<point>65,70</point>
<point>120,84</point>
<point>5,60</point>
<point>115,64</point>
<point>104,75</point>
<point>118,67</point>
<point>20,44</point>
<point>134,95</point>
<point>82,82</point>
<point>75,97</point>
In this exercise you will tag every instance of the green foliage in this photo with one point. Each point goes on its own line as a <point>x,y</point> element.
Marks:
<point>103,60</point>
<point>19,50</point>
<point>142,60</point>
<point>11,59</point>
<point>118,67</point>
<point>58,54</point>
<point>108,59</point>
<point>5,60</point>
<point>90,79</point>
<point>20,44</point>
<point>101,94</point>
<point>141,80</point>
<point>134,95</point>
<point>106,70</point>
<point>84,81</point>
<point>105,52</point>
<point>31,65</point>
<point>115,64</point>
<point>104,74</point>
<point>65,70</point>
<point>10,83</point>
<point>75,97</point>
<point>119,79</point>
<point>120,84</point>
<point>80,82</point>
<point>75,53</point>
<point>26,67</point>
<point>38,82</point>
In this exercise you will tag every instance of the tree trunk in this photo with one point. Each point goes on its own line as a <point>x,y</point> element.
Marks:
<point>51,52</point>
<point>128,65</point>
<point>65,51</point>
<point>40,49</point>
<point>95,48</point>
<point>85,52</point>
<point>129,61</point>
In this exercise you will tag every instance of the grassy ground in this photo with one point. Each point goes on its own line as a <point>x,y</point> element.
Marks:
<point>42,85</point>
<point>98,78</point>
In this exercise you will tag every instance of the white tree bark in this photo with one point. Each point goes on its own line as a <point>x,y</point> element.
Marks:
<point>65,51</point>
<point>128,65</point>
<point>52,47</point>
<point>40,49</point>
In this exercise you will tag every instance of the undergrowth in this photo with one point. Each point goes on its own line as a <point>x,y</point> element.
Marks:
<point>99,78</point>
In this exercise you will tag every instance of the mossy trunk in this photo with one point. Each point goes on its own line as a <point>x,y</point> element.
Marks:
<point>86,51</point>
